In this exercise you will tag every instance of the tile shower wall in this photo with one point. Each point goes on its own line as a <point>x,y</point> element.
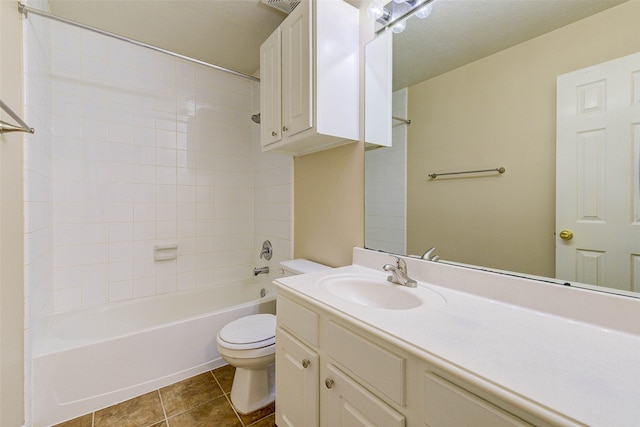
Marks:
<point>38,188</point>
<point>273,200</point>
<point>150,150</point>
<point>386,187</point>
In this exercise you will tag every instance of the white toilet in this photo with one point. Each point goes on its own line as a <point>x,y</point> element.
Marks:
<point>249,344</point>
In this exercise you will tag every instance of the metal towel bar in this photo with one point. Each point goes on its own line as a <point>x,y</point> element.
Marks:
<point>8,127</point>
<point>400,119</point>
<point>499,170</point>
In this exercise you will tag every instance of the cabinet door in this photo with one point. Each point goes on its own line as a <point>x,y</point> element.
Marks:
<point>270,90</point>
<point>348,404</point>
<point>447,405</point>
<point>297,383</point>
<point>297,82</point>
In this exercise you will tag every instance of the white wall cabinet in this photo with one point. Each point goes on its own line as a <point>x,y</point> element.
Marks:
<point>309,79</point>
<point>332,373</point>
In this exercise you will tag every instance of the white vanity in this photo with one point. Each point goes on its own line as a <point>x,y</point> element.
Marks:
<point>464,348</point>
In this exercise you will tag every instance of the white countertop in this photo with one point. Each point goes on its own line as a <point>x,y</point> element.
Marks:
<point>547,362</point>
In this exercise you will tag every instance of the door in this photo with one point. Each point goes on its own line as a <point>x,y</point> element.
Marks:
<point>297,370</point>
<point>297,89</point>
<point>598,175</point>
<point>270,89</point>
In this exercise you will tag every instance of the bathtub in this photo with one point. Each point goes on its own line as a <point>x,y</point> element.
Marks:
<point>93,358</point>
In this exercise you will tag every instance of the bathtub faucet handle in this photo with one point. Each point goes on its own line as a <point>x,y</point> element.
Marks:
<point>267,250</point>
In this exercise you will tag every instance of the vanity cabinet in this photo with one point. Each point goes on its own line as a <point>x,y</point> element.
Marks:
<point>297,376</point>
<point>309,79</point>
<point>330,372</point>
<point>316,383</point>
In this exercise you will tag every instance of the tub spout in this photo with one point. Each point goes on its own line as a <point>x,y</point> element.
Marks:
<point>260,270</point>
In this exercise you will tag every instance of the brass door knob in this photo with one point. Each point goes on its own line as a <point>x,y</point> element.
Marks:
<point>305,363</point>
<point>566,234</point>
<point>328,382</point>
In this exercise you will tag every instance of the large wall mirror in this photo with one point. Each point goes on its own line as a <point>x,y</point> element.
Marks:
<point>477,80</point>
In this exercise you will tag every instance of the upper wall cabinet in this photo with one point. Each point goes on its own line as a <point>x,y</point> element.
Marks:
<point>309,86</point>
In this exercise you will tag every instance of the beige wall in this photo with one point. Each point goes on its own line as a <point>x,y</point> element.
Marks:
<point>11,223</point>
<point>329,204</point>
<point>500,111</point>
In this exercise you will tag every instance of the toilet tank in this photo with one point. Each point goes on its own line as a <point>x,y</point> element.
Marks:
<point>300,266</point>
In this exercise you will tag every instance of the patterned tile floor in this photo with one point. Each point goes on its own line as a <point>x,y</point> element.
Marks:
<point>200,401</point>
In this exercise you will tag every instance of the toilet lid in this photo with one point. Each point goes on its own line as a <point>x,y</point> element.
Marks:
<point>257,329</point>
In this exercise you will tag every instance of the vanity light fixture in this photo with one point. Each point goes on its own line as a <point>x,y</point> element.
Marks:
<point>377,11</point>
<point>399,27</point>
<point>424,11</point>
<point>395,13</point>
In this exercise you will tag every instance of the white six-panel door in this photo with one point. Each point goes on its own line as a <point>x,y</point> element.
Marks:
<point>598,175</point>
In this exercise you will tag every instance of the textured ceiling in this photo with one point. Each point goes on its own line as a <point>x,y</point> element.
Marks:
<point>461,31</point>
<point>229,33</point>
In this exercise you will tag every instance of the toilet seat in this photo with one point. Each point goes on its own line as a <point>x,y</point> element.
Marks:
<point>250,332</point>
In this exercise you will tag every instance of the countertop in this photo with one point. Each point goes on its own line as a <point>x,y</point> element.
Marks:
<point>551,364</point>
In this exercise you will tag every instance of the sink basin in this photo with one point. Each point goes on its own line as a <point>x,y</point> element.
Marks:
<point>373,292</point>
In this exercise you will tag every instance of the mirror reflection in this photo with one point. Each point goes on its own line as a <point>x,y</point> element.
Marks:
<point>478,80</point>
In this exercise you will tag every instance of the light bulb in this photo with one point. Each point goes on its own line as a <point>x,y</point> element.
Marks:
<point>399,27</point>
<point>424,11</point>
<point>376,10</point>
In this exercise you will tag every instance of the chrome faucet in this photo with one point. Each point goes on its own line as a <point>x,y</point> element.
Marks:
<point>428,257</point>
<point>399,273</point>
<point>260,270</point>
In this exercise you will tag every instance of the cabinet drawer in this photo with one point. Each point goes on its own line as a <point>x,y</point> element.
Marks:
<point>447,405</point>
<point>298,319</point>
<point>377,366</point>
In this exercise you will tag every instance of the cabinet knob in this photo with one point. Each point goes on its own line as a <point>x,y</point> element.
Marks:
<point>284,129</point>
<point>328,382</point>
<point>305,363</point>
<point>274,133</point>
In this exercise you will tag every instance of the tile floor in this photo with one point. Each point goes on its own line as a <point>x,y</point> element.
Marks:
<point>200,401</point>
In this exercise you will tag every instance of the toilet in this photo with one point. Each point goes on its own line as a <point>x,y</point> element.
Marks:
<point>249,344</point>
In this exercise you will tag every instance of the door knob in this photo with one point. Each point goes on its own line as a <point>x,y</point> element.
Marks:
<point>305,363</point>
<point>328,382</point>
<point>284,129</point>
<point>274,133</point>
<point>566,234</point>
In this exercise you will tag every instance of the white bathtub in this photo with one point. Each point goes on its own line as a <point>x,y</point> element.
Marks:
<point>93,358</point>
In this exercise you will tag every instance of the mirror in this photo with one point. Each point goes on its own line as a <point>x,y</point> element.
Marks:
<point>478,80</point>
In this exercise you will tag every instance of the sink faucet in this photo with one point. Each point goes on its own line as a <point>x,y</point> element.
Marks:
<point>399,274</point>
<point>428,257</point>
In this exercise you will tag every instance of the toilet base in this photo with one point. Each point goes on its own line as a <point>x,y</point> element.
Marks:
<point>253,389</point>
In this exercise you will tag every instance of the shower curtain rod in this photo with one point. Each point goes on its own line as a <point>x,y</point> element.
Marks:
<point>24,10</point>
<point>8,127</point>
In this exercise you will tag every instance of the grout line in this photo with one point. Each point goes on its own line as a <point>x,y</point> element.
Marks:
<point>164,411</point>
<point>228,397</point>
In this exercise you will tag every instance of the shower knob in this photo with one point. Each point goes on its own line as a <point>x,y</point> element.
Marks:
<point>305,363</point>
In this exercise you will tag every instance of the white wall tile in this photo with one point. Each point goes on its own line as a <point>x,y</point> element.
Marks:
<point>164,149</point>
